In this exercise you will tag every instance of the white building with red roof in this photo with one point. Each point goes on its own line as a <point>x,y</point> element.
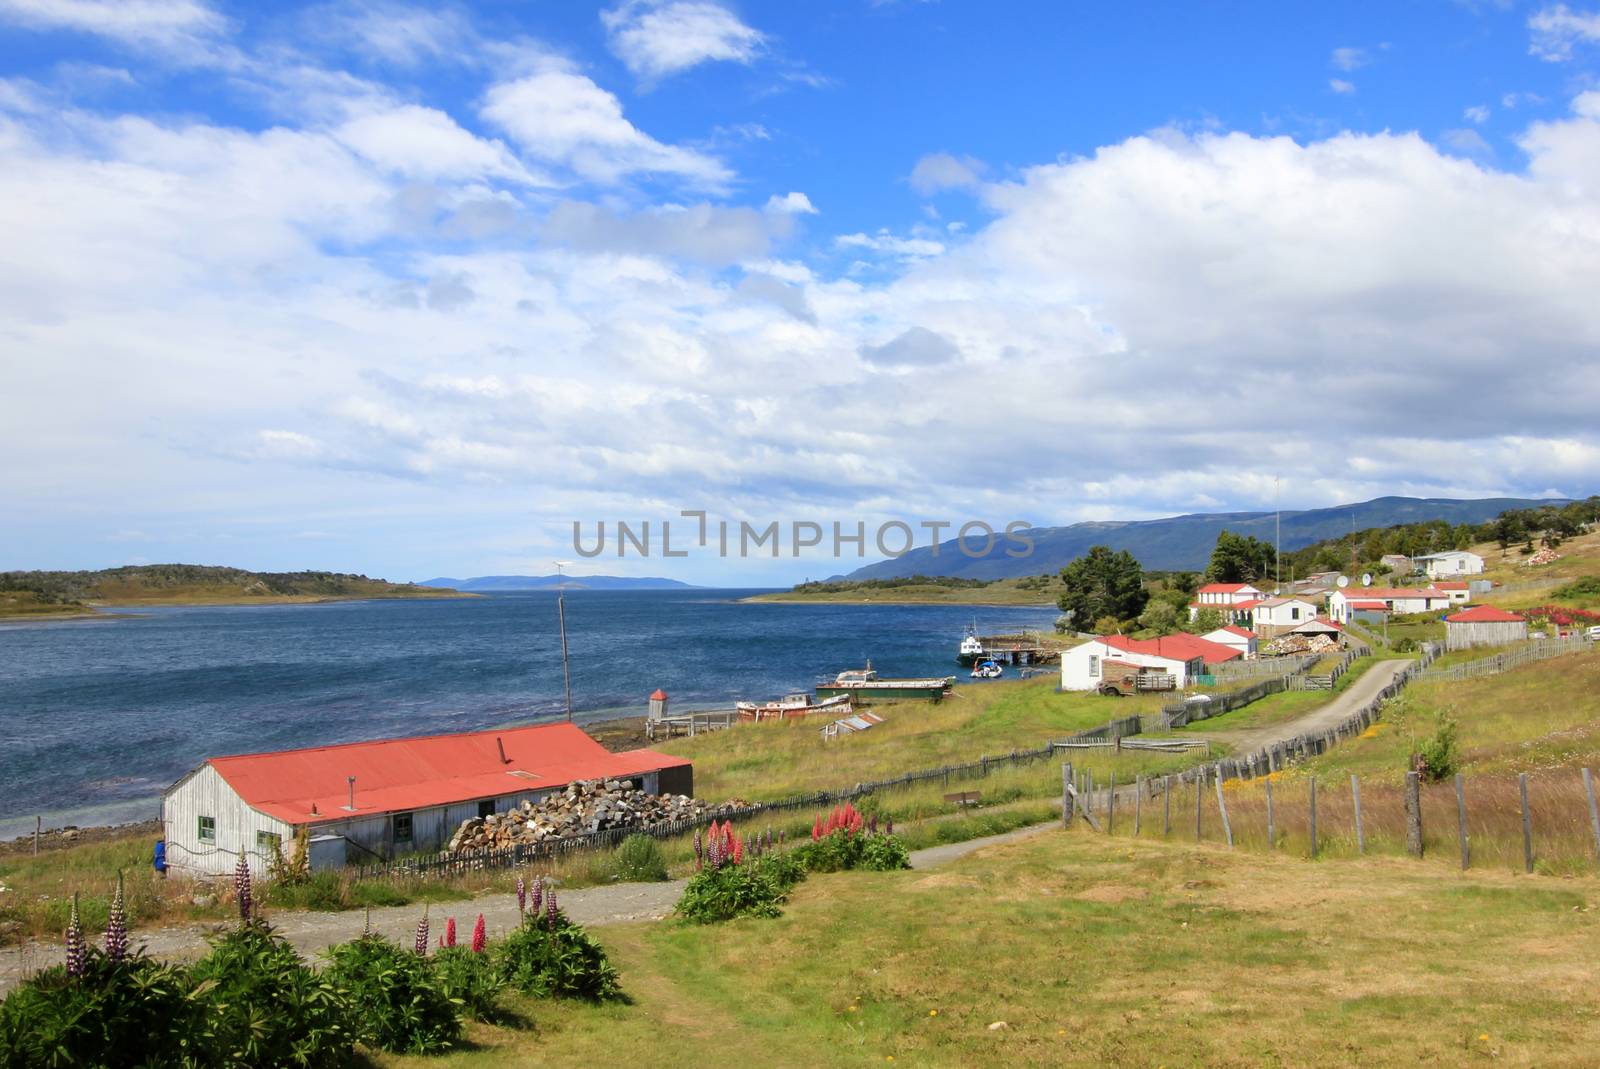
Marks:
<point>1181,656</point>
<point>367,801</point>
<point>1233,600</point>
<point>1271,617</point>
<point>1398,601</point>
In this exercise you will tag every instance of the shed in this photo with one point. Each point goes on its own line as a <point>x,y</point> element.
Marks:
<point>1483,625</point>
<point>385,797</point>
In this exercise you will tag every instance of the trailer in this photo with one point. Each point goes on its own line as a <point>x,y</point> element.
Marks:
<point>1122,679</point>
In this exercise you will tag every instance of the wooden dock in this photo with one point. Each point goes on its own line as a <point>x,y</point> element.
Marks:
<point>1019,650</point>
<point>690,724</point>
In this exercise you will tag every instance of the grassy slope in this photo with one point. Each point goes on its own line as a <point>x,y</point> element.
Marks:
<point>1001,592</point>
<point>1109,953</point>
<point>196,586</point>
<point>1579,557</point>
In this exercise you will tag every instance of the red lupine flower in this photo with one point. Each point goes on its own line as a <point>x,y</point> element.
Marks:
<point>480,936</point>
<point>450,932</point>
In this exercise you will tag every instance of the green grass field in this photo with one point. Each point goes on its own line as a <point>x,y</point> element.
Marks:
<point>1069,949</point>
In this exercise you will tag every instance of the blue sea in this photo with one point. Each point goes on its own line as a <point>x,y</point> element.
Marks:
<point>98,717</point>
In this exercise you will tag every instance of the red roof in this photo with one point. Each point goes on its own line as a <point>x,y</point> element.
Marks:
<point>1483,614</point>
<point>1453,585</point>
<point>1234,629</point>
<point>1369,605</point>
<point>1393,593</point>
<point>431,770</point>
<point>1223,588</point>
<point>1179,647</point>
<point>658,695</point>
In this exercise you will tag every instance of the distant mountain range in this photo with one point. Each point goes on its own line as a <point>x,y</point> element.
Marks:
<point>489,583</point>
<point>1184,542</point>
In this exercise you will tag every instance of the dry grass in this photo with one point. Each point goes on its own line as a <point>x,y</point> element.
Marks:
<point>1099,952</point>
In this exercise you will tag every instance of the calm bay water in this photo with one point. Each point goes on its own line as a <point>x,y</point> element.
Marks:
<point>98,717</point>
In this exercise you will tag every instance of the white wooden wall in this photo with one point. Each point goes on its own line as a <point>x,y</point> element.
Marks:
<point>205,793</point>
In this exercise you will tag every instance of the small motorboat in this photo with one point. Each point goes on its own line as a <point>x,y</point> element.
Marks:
<point>987,670</point>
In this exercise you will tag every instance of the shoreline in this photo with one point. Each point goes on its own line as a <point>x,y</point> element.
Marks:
<point>770,599</point>
<point>118,609</point>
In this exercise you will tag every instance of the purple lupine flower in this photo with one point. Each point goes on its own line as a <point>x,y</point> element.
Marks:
<point>241,886</point>
<point>550,907</point>
<point>537,898</point>
<point>366,922</point>
<point>422,934</point>
<point>890,829</point>
<point>77,952</point>
<point>872,824</point>
<point>522,897</point>
<point>699,850</point>
<point>117,927</point>
<point>769,836</point>
<point>783,836</point>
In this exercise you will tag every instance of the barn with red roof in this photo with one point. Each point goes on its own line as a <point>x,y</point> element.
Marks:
<point>366,801</point>
<point>1483,625</point>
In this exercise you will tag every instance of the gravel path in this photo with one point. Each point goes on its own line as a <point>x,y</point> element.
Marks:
<point>313,932</point>
<point>1360,693</point>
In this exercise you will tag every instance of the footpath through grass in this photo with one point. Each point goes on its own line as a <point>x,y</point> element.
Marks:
<point>1069,949</point>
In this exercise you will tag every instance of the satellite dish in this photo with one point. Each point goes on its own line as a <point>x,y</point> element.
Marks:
<point>1342,582</point>
<point>1366,578</point>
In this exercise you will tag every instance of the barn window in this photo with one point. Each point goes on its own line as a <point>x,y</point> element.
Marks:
<point>208,829</point>
<point>1094,667</point>
<point>269,842</point>
<point>486,808</point>
<point>402,827</point>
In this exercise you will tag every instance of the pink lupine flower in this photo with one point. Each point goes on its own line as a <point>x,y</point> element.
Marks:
<point>241,886</point>
<point>480,936</point>
<point>450,932</point>
<point>550,907</point>
<point>77,951</point>
<point>522,897</point>
<point>422,933</point>
<point>536,899</point>
<point>117,926</point>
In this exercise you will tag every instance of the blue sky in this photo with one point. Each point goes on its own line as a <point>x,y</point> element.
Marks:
<point>407,290</point>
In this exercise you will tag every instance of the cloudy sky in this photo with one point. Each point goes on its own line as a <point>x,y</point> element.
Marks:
<point>407,290</point>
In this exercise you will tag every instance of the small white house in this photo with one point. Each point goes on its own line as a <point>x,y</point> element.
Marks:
<point>1236,638</point>
<point>1460,590</point>
<point>1273,616</point>
<point>1081,665</point>
<point>1455,562</point>
<point>1389,600</point>
<point>368,801</point>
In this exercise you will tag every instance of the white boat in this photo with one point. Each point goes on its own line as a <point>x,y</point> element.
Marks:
<point>986,670</point>
<point>793,705</point>
<point>971,651</point>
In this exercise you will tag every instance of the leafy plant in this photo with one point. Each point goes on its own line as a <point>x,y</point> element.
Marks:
<point>1437,758</point>
<point>399,1002</point>
<point>136,1011</point>
<point>752,889</point>
<point>549,956</point>
<point>471,979</point>
<point>639,859</point>
<point>264,1007</point>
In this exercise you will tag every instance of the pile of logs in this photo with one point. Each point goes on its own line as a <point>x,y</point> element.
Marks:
<point>1544,556</point>
<point>583,807</point>
<point>1288,644</point>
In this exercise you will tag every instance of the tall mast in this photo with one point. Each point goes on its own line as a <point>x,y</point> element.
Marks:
<point>561,613</point>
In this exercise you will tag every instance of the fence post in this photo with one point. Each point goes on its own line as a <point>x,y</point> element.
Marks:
<point>1461,819</point>
<point>1594,812</point>
<point>1222,807</point>
<point>1527,824</point>
<point>1166,806</point>
<point>1199,795</point>
<point>1138,803</point>
<point>1355,795</point>
<point>1272,843</point>
<point>1066,795</point>
<point>1111,804</point>
<point>38,822</point>
<point>1313,816</point>
<point>1414,814</point>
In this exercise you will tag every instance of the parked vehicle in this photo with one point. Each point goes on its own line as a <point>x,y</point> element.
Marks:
<point>1123,679</point>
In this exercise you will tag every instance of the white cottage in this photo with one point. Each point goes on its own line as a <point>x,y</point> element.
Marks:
<point>1399,601</point>
<point>1444,565</point>
<point>1271,617</point>
<point>1236,638</point>
<point>368,801</point>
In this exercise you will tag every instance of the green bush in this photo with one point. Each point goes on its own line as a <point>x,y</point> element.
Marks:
<point>397,1001</point>
<point>639,860</point>
<point>133,1012</point>
<point>752,889</point>
<point>1588,586</point>
<point>264,1007</point>
<point>325,890</point>
<point>556,959</point>
<point>1437,757</point>
<point>471,979</point>
<point>842,850</point>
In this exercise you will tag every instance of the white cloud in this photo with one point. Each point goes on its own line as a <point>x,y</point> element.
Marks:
<point>915,347</point>
<point>1556,31</point>
<point>791,204</point>
<point>1467,142</point>
<point>395,33</point>
<point>426,143</point>
<point>1339,85</point>
<point>702,232</point>
<point>656,38</point>
<point>565,118</point>
<point>1478,113</point>
<point>180,27</point>
<point>890,244</point>
<point>1349,59</point>
<point>940,170</point>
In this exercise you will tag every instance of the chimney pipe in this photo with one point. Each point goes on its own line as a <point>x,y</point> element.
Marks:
<point>498,741</point>
<point>352,805</point>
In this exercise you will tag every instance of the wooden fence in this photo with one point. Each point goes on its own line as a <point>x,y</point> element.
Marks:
<point>1261,667</point>
<point>1538,650</point>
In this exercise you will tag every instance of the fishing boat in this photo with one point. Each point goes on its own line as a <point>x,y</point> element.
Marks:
<point>793,705</point>
<point>864,683</point>
<point>987,670</point>
<point>971,649</point>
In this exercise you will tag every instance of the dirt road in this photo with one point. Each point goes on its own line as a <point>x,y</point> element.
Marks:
<point>1344,705</point>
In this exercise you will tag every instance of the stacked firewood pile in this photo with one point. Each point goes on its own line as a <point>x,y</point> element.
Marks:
<point>1289,644</point>
<point>584,807</point>
<point>1544,556</point>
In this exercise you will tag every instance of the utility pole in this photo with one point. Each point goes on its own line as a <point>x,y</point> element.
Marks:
<point>561,613</point>
<point>1277,535</point>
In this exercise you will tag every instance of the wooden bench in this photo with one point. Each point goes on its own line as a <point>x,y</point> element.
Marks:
<point>965,798</point>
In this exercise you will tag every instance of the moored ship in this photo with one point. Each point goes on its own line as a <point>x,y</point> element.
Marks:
<point>864,683</point>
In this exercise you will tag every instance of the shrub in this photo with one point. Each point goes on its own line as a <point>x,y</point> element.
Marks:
<point>326,890</point>
<point>263,1006</point>
<point>639,859</point>
<point>1437,757</point>
<point>549,956</point>
<point>842,850</point>
<point>1588,586</point>
<point>473,980</point>
<point>752,889</point>
<point>397,1001</point>
<point>133,1012</point>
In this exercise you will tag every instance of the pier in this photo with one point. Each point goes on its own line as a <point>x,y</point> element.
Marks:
<point>1019,650</point>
